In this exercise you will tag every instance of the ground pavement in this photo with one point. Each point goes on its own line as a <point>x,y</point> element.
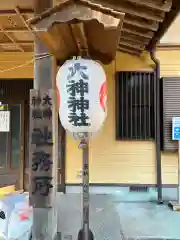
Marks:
<point>112,219</point>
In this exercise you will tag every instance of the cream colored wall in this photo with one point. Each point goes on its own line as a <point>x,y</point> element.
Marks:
<point>170,66</point>
<point>170,62</point>
<point>111,161</point>
<point>114,161</point>
<point>16,65</point>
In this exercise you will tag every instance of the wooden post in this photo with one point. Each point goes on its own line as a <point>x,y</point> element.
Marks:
<point>85,233</point>
<point>44,205</point>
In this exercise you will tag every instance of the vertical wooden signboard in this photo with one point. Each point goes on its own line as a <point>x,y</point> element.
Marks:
<point>41,148</point>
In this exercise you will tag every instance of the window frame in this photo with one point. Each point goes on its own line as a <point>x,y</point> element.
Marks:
<point>117,110</point>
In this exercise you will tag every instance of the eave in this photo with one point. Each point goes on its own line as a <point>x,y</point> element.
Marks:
<point>144,23</point>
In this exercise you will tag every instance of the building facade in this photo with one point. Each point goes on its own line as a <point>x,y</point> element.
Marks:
<point>124,154</point>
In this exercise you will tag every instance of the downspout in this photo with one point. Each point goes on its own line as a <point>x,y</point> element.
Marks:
<point>157,125</point>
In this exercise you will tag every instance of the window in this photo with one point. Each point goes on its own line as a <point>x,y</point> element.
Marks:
<point>135,105</point>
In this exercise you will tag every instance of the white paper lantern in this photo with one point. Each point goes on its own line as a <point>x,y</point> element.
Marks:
<point>82,96</point>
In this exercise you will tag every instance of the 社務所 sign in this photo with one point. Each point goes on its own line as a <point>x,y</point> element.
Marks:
<point>176,128</point>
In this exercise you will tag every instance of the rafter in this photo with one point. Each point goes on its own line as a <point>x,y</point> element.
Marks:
<point>129,50</point>
<point>139,22</point>
<point>130,47</point>
<point>134,38</point>
<point>18,12</point>
<point>136,10</point>
<point>25,43</point>
<point>137,33</point>
<point>164,6</point>
<point>19,30</point>
<point>131,44</point>
<point>7,12</point>
<point>14,30</point>
<point>12,39</point>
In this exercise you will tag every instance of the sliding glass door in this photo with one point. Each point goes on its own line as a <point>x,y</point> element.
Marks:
<point>12,148</point>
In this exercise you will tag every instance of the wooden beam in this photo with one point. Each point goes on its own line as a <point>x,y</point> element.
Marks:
<point>18,12</point>
<point>25,43</point>
<point>134,37</point>
<point>168,45</point>
<point>16,30</point>
<point>164,6</point>
<point>141,23</point>
<point>131,44</point>
<point>133,40</point>
<point>12,39</point>
<point>14,51</point>
<point>138,11</point>
<point>128,50</point>
<point>148,35</point>
<point>7,12</point>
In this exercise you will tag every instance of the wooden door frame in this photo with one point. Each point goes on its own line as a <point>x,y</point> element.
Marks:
<point>22,144</point>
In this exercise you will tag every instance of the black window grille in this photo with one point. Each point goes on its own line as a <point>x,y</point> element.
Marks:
<point>135,105</point>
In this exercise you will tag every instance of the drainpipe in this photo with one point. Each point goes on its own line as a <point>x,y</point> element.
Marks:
<point>157,125</point>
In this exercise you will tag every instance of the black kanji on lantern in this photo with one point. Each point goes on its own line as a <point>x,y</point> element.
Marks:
<point>41,159</point>
<point>41,137</point>
<point>47,100</point>
<point>36,101</point>
<point>42,185</point>
<point>78,121</point>
<point>80,87</point>
<point>78,68</point>
<point>78,104</point>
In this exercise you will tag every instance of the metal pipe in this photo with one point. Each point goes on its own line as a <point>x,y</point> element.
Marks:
<point>157,125</point>
<point>86,191</point>
<point>85,233</point>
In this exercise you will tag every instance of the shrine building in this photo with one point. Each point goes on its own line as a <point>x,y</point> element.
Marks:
<point>135,150</point>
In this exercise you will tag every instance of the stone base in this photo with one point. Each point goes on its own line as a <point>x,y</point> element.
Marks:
<point>175,206</point>
<point>80,235</point>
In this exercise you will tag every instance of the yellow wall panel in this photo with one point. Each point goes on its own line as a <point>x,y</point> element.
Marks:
<point>114,161</point>
<point>170,62</point>
<point>17,65</point>
<point>170,67</point>
<point>111,161</point>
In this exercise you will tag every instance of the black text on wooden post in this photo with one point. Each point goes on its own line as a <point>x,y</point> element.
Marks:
<point>41,148</point>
